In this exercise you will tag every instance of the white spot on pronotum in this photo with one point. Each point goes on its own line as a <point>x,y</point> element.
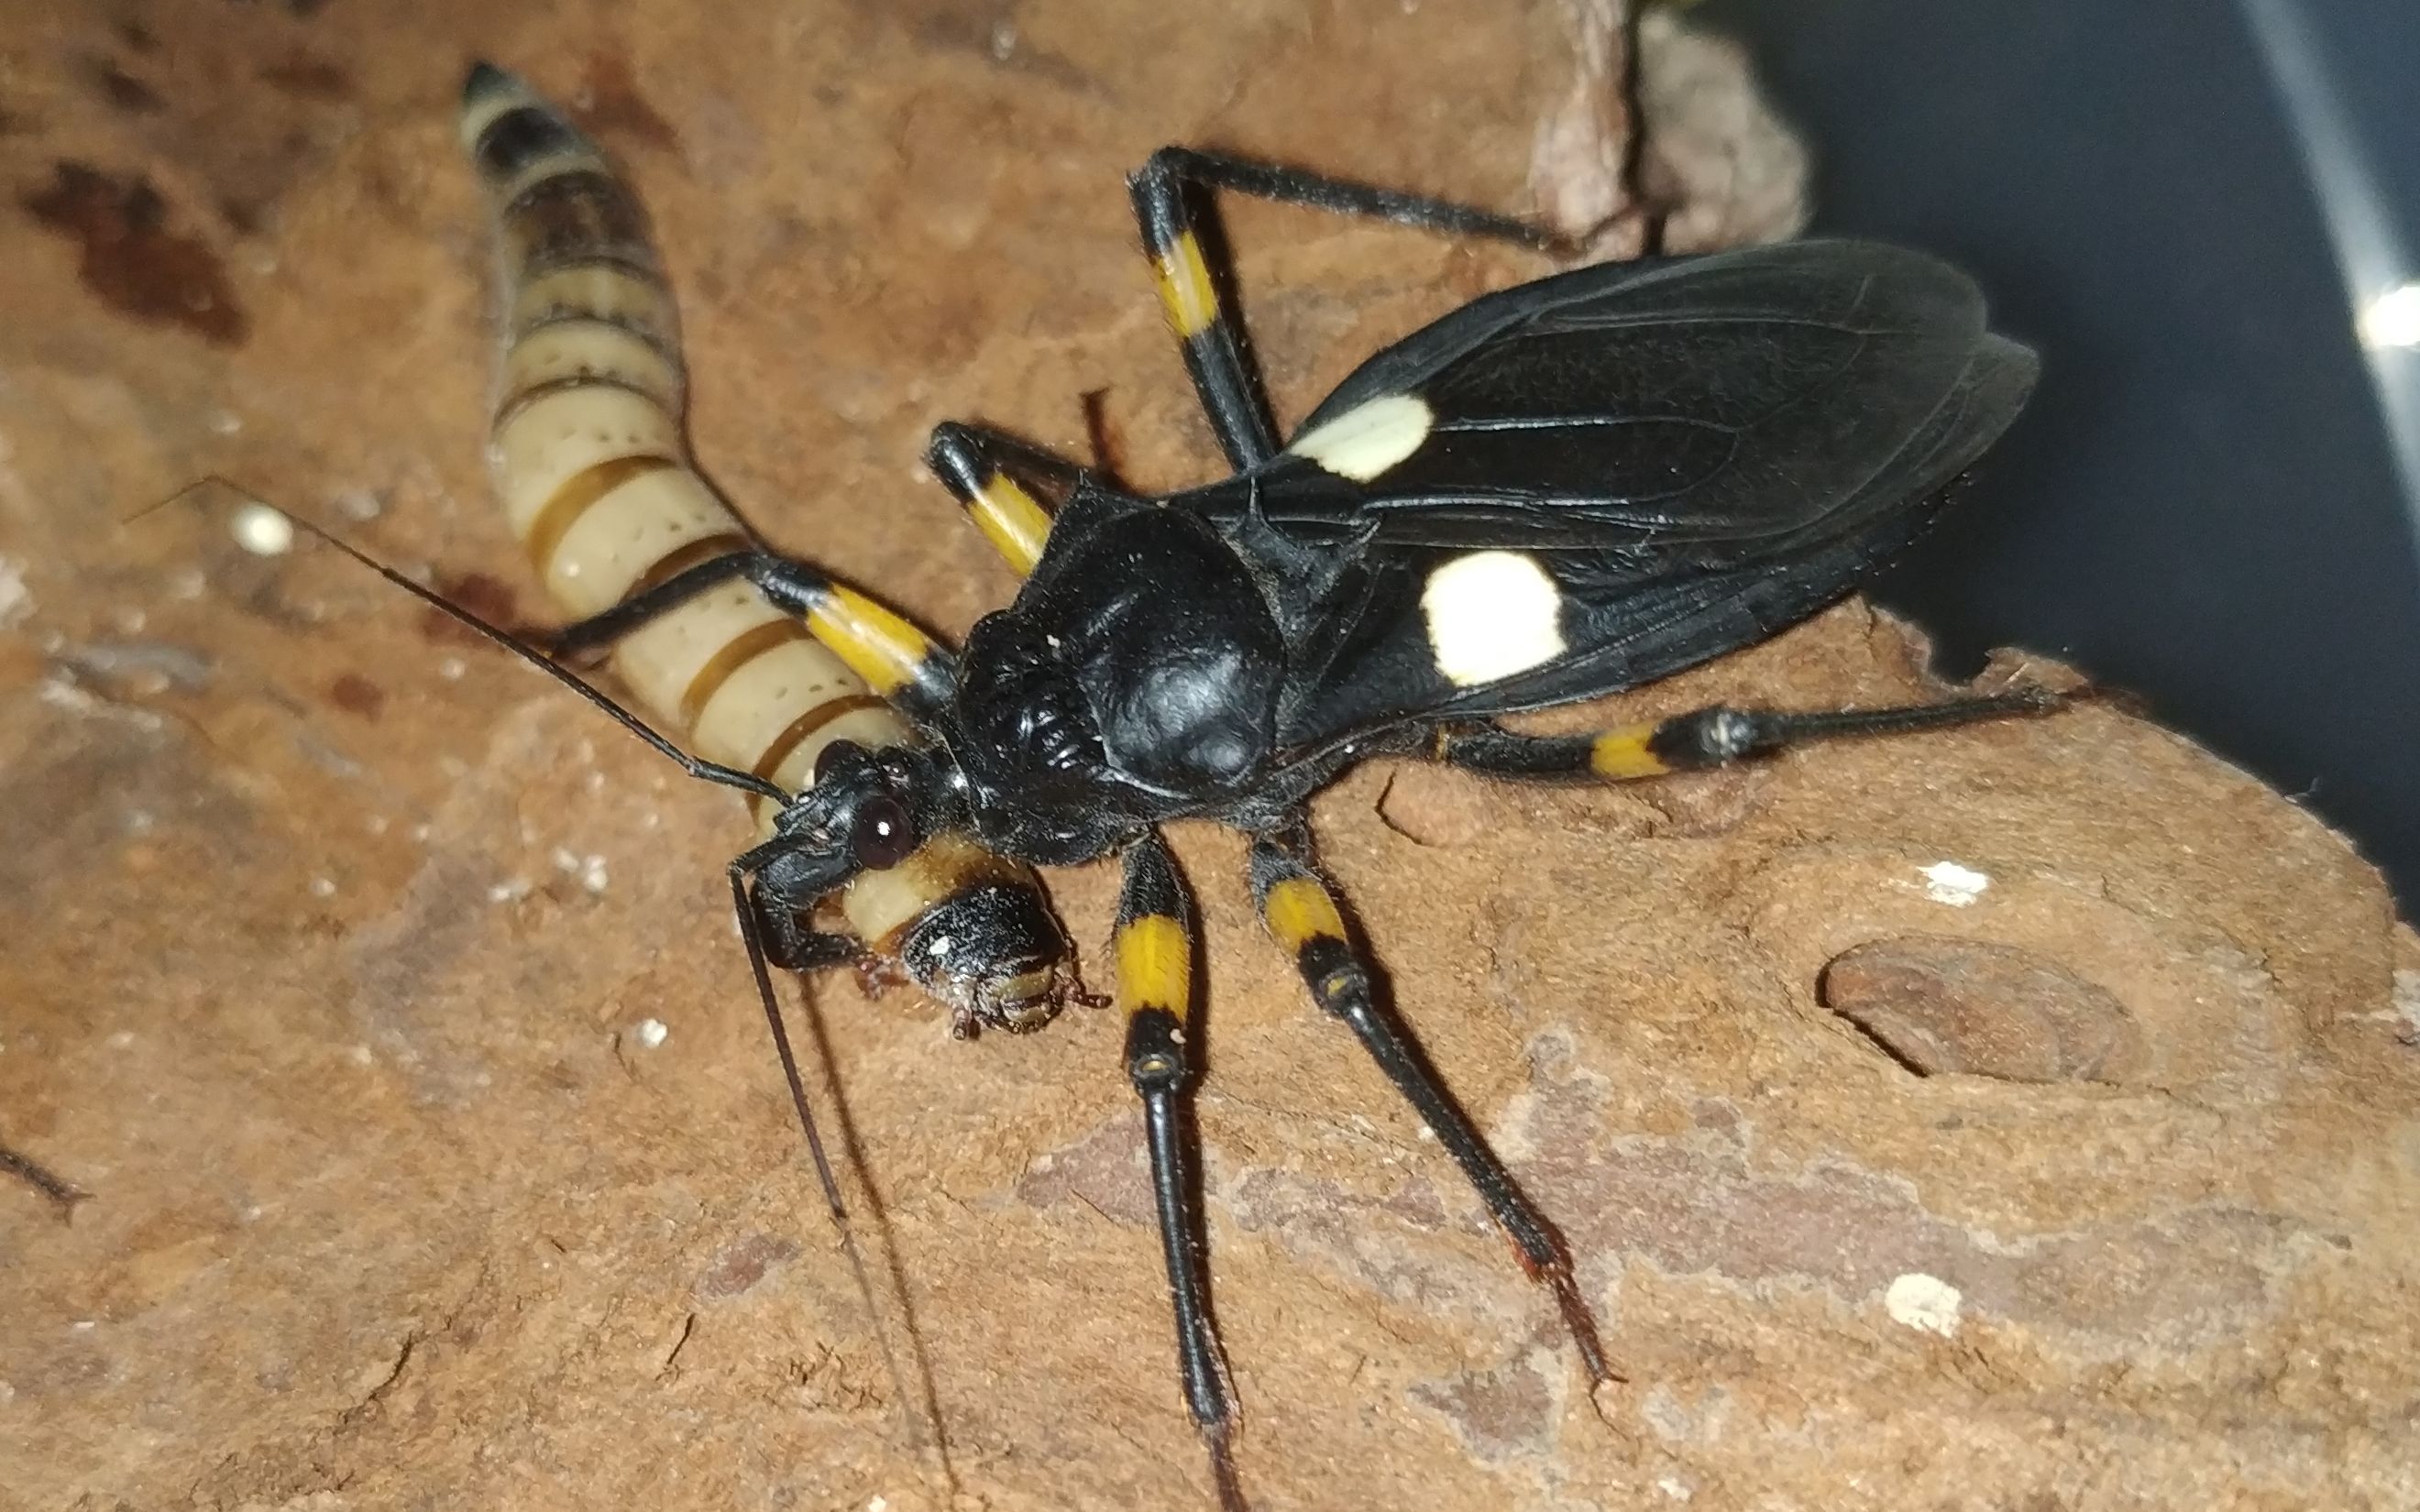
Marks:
<point>1491,614</point>
<point>651,1033</point>
<point>1924,1303</point>
<point>1368,439</point>
<point>1947,882</point>
<point>941,946</point>
<point>262,530</point>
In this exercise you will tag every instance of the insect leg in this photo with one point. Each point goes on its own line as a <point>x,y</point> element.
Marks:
<point>1712,736</point>
<point>1215,349</point>
<point>1155,950</point>
<point>1300,910</point>
<point>989,472</point>
<point>899,661</point>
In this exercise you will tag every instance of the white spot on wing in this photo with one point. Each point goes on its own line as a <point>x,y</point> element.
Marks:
<point>1491,614</point>
<point>1368,439</point>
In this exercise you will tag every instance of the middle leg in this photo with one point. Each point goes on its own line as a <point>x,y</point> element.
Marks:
<point>1301,913</point>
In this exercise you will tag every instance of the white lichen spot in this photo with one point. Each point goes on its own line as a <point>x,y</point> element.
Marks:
<point>16,603</point>
<point>323,886</point>
<point>1947,882</point>
<point>262,530</point>
<point>651,1033</point>
<point>1924,1303</point>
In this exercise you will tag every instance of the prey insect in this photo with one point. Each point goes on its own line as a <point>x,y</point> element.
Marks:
<point>1560,491</point>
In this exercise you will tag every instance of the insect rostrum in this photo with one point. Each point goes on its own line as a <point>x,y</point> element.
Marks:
<point>1558,491</point>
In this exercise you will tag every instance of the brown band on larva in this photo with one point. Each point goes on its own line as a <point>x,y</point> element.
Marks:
<point>572,497</point>
<point>741,650</point>
<point>580,216</point>
<point>806,724</point>
<point>514,405</point>
<point>705,549</point>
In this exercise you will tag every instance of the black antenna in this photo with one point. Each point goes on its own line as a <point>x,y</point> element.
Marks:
<point>703,770</point>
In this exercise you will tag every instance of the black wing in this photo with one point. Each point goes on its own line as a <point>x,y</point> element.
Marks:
<point>1652,463</point>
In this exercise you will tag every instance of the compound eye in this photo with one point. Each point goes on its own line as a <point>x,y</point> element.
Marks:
<point>881,836</point>
<point>828,756</point>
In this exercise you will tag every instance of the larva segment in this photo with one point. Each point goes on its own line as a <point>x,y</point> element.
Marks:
<point>588,454</point>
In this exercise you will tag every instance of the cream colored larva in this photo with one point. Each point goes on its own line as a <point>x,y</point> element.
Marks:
<point>588,454</point>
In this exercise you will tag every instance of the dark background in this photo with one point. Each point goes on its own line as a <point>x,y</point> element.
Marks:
<point>2202,505</point>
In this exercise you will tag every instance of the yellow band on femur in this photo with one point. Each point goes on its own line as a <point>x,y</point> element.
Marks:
<point>1623,753</point>
<point>1155,965</point>
<point>1299,911</point>
<point>1185,288</point>
<point>1011,521</point>
<point>877,645</point>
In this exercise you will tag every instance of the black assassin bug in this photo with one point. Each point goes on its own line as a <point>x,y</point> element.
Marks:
<point>1560,491</point>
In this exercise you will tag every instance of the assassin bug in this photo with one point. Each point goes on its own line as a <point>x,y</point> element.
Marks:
<point>1560,491</point>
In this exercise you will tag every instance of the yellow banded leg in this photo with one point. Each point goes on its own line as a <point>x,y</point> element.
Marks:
<point>1155,950</point>
<point>1302,912</point>
<point>1185,268</point>
<point>1712,736</point>
<point>994,477</point>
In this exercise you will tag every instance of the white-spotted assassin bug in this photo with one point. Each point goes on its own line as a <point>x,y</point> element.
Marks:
<point>1560,491</point>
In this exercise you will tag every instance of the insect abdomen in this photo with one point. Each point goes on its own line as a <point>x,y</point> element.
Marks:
<point>587,452</point>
